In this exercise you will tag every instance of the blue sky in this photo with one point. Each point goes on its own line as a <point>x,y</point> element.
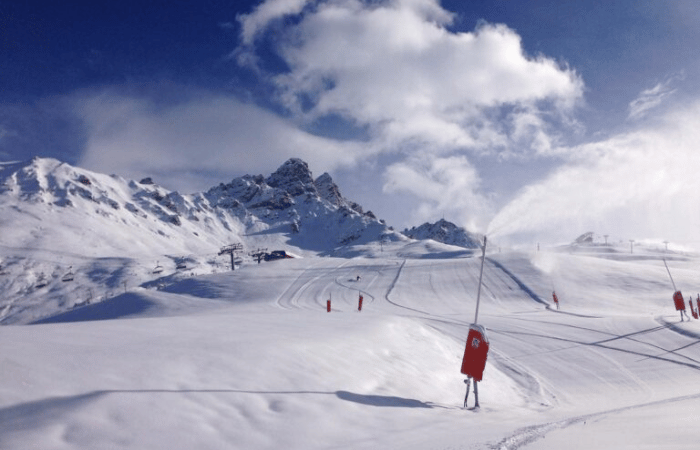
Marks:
<point>527,120</point>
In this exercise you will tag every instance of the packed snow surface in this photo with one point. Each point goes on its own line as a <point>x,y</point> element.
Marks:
<point>250,359</point>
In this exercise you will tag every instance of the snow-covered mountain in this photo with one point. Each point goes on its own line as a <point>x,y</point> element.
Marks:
<point>445,232</point>
<point>312,213</point>
<point>289,201</point>
<point>110,233</point>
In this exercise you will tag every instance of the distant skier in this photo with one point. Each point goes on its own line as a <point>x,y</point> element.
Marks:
<point>556,299</point>
<point>358,278</point>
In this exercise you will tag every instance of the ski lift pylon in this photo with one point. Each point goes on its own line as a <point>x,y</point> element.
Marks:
<point>68,276</point>
<point>41,281</point>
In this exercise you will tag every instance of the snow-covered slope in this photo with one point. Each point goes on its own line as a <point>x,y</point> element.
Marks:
<point>251,359</point>
<point>110,234</point>
<point>203,357</point>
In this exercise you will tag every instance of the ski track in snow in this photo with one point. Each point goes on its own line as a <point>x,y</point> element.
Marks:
<point>527,435</point>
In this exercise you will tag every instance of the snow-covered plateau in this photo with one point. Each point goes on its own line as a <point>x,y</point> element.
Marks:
<point>123,356</point>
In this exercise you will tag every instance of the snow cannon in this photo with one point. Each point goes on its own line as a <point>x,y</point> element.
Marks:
<point>475,352</point>
<point>679,301</point>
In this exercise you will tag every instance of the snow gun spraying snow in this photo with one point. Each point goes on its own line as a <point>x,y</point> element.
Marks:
<point>477,346</point>
<point>678,300</point>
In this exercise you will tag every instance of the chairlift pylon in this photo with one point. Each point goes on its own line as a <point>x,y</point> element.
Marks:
<point>68,276</point>
<point>41,282</point>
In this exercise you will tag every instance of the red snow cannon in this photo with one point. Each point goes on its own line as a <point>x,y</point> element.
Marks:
<point>475,352</point>
<point>679,301</point>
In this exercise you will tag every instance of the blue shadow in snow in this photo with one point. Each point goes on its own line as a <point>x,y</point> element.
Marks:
<point>114,308</point>
<point>381,400</point>
<point>520,284</point>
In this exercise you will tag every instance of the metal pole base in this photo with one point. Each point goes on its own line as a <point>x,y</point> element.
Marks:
<point>466,396</point>
<point>468,382</point>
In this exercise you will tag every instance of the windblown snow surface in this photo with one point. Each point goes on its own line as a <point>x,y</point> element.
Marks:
<point>250,359</point>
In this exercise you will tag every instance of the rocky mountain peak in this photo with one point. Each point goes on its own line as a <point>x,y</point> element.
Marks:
<point>445,232</point>
<point>328,190</point>
<point>294,177</point>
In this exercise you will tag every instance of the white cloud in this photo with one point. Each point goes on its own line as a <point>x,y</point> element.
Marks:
<point>266,12</point>
<point>642,184</point>
<point>649,99</point>
<point>444,187</point>
<point>220,136</point>
<point>396,67</point>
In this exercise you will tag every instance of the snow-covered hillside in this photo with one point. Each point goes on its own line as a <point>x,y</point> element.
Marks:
<point>110,234</point>
<point>251,359</point>
<point>194,355</point>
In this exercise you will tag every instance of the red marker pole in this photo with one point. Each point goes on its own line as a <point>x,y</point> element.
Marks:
<point>359,307</point>
<point>328,306</point>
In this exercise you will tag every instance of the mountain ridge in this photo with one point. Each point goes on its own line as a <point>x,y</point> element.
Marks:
<point>445,232</point>
<point>110,232</point>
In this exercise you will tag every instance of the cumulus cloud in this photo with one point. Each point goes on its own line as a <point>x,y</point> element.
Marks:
<point>649,99</point>
<point>219,136</point>
<point>643,183</point>
<point>397,69</point>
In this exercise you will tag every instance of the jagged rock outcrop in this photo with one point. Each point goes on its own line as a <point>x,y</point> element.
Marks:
<point>445,232</point>
<point>314,211</point>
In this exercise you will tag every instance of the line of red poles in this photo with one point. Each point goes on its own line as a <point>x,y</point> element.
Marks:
<point>359,304</point>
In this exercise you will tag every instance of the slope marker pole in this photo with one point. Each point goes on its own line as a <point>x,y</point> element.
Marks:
<point>669,275</point>
<point>481,275</point>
